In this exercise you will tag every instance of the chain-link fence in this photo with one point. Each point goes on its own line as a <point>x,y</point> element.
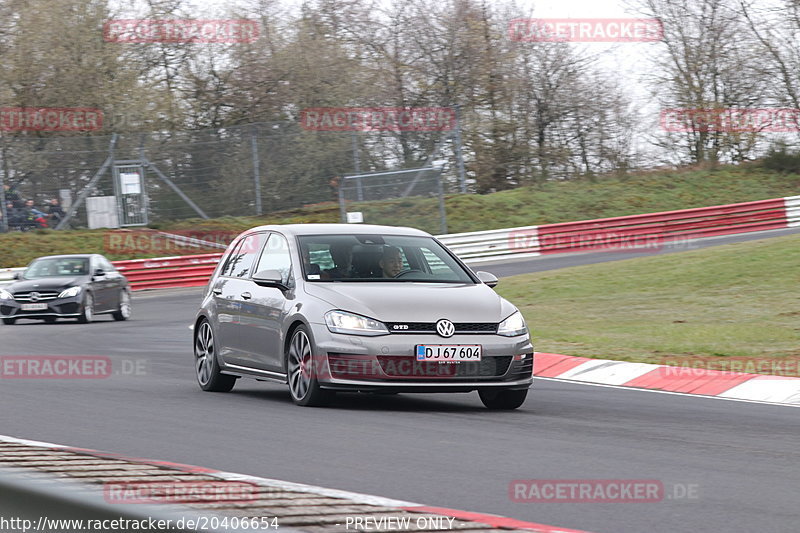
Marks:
<point>409,197</point>
<point>235,171</point>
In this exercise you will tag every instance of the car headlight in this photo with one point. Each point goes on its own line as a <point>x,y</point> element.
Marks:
<point>69,293</point>
<point>513,326</point>
<point>5,295</point>
<point>352,324</point>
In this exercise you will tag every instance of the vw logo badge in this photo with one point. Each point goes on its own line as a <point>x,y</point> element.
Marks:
<point>445,328</point>
<point>34,296</point>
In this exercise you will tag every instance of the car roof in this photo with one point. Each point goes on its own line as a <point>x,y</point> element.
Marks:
<point>67,256</point>
<point>340,229</point>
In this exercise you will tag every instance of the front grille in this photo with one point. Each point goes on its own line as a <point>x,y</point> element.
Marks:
<point>43,296</point>
<point>525,369</point>
<point>462,328</point>
<point>347,366</point>
<point>404,366</point>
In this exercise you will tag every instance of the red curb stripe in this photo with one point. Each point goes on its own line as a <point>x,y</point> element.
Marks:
<point>489,519</point>
<point>492,520</point>
<point>168,464</point>
<point>691,381</point>
<point>561,366</point>
<point>541,361</point>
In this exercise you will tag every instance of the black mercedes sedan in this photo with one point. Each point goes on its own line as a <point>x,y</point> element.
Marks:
<point>66,286</point>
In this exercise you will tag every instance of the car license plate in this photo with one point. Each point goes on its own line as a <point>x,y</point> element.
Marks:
<point>34,307</point>
<point>448,352</point>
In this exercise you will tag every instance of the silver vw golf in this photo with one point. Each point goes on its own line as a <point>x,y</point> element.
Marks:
<point>339,307</point>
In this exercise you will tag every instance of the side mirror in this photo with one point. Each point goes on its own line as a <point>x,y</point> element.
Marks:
<point>487,278</point>
<point>269,278</point>
<point>17,275</point>
<point>99,272</point>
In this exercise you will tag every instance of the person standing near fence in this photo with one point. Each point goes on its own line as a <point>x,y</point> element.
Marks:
<point>55,212</point>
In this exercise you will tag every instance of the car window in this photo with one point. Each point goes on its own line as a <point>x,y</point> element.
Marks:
<point>434,262</point>
<point>105,264</point>
<point>229,264</point>
<point>379,258</point>
<point>276,257</point>
<point>57,267</point>
<point>241,262</point>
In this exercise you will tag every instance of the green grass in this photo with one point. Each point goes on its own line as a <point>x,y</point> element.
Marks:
<point>737,300</point>
<point>552,202</point>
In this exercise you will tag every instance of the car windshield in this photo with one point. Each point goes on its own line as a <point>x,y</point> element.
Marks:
<point>57,267</point>
<point>393,258</point>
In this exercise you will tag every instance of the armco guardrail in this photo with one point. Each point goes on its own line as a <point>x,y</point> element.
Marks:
<point>7,275</point>
<point>634,232</point>
<point>651,230</point>
<point>164,272</point>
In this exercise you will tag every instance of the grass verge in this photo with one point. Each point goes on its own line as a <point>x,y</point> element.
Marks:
<point>731,301</point>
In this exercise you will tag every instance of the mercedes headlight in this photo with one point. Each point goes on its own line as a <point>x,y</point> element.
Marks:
<point>5,295</point>
<point>513,326</point>
<point>352,324</point>
<point>69,293</point>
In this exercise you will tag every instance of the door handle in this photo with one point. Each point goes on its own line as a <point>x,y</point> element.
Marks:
<point>246,295</point>
<point>217,291</point>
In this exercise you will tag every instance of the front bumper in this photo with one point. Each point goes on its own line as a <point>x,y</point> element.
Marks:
<point>59,307</point>
<point>387,363</point>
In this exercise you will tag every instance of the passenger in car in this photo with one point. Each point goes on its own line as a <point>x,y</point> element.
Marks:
<point>342,255</point>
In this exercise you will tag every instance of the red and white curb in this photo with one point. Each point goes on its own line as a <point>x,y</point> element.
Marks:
<point>715,383</point>
<point>494,521</point>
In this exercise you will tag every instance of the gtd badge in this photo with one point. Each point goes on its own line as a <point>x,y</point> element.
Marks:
<point>445,328</point>
<point>400,326</point>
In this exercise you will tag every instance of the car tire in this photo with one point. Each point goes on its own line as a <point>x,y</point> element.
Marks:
<point>503,399</point>
<point>123,312</point>
<point>9,321</point>
<point>301,372</point>
<point>87,309</point>
<point>205,361</point>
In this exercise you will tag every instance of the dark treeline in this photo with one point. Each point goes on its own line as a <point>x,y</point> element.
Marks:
<point>530,111</point>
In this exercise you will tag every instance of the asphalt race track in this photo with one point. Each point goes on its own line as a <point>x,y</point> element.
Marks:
<point>741,460</point>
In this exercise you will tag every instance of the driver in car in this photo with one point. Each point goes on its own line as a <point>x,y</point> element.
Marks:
<point>391,262</point>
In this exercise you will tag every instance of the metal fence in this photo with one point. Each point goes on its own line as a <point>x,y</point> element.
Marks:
<point>235,171</point>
